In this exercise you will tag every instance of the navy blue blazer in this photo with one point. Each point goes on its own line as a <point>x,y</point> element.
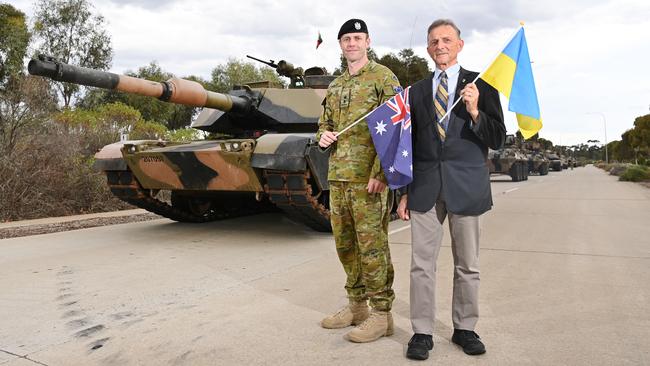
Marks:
<point>455,170</point>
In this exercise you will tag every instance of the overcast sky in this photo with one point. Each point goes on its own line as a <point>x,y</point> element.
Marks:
<point>590,58</point>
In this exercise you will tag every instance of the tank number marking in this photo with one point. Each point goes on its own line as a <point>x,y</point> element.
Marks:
<point>152,159</point>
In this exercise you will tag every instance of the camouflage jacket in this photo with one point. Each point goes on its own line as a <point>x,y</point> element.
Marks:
<point>349,97</point>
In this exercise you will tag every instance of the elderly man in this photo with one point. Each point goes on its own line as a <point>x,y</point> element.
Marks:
<point>450,180</point>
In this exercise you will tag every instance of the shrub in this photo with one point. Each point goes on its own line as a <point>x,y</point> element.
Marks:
<point>49,175</point>
<point>635,173</point>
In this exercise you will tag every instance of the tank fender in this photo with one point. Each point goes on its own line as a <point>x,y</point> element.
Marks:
<point>110,157</point>
<point>281,151</point>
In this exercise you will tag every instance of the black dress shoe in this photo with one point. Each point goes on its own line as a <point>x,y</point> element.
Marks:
<point>419,346</point>
<point>469,341</point>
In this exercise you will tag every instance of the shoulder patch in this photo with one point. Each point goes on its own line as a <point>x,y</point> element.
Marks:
<point>397,89</point>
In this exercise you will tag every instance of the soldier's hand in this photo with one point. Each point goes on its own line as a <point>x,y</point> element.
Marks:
<point>375,186</point>
<point>402,211</point>
<point>326,139</point>
<point>470,97</point>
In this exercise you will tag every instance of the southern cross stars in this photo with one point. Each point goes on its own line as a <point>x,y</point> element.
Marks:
<point>405,153</point>
<point>381,128</point>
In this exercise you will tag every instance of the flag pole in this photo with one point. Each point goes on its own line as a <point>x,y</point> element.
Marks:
<point>354,123</point>
<point>485,69</point>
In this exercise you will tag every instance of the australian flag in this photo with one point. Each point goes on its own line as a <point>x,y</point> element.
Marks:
<point>390,128</point>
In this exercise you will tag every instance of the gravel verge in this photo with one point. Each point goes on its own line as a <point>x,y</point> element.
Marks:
<point>15,232</point>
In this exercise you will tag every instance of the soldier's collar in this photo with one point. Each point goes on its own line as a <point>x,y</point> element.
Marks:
<point>365,68</point>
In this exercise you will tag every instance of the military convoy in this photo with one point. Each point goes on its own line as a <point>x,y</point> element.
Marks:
<point>264,158</point>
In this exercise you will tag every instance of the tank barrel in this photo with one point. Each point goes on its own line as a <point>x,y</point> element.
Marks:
<point>175,90</point>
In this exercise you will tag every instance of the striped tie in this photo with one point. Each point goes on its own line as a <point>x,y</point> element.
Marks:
<point>440,104</point>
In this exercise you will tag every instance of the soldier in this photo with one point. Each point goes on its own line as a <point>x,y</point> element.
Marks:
<point>359,200</point>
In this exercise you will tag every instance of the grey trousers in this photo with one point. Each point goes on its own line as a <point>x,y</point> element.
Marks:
<point>426,233</point>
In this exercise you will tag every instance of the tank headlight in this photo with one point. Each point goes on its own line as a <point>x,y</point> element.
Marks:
<point>235,145</point>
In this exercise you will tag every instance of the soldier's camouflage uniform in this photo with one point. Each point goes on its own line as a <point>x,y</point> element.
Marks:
<point>359,219</point>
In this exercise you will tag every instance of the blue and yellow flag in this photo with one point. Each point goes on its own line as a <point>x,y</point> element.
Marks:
<point>511,74</point>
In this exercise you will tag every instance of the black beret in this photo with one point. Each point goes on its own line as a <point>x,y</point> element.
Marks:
<point>353,26</point>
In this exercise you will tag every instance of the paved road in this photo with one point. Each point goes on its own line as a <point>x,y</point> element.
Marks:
<point>565,271</point>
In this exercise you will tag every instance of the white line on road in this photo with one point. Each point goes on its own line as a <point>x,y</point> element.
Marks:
<point>511,190</point>
<point>399,229</point>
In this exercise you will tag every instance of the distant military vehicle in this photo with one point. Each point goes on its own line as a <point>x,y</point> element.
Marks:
<point>537,163</point>
<point>565,162</point>
<point>555,162</point>
<point>265,155</point>
<point>509,160</point>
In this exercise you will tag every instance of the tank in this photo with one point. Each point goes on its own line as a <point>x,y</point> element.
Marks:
<point>265,158</point>
<point>509,160</point>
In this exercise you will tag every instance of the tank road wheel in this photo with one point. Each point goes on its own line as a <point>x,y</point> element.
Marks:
<point>298,195</point>
<point>543,169</point>
<point>197,206</point>
<point>524,170</point>
<point>515,173</point>
<point>183,207</point>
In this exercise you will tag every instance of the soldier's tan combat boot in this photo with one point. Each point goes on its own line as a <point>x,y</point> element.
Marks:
<point>352,314</point>
<point>378,324</point>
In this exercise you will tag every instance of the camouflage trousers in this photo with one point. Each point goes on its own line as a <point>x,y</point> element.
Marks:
<point>360,227</point>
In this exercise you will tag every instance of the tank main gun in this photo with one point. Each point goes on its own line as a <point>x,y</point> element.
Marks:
<point>174,90</point>
<point>283,68</point>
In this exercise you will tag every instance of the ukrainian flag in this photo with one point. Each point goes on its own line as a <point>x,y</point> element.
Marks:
<point>511,74</point>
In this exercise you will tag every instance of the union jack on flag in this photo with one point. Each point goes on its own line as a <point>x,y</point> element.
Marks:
<point>390,128</point>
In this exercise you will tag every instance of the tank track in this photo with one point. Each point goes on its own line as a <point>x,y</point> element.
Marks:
<point>297,194</point>
<point>124,186</point>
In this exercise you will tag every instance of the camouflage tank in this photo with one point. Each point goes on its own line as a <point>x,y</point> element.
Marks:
<point>265,157</point>
<point>509,160</point>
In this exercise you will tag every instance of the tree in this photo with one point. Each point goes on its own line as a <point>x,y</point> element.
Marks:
<point>408,67</point>
<point>25,104</point>
<point>640,137</point>
<point>14,38</point>
<point>100,126</point>
<point>25,101</point>
<point>546,144</point>
<point>238,72</point>
<point>68,31</point>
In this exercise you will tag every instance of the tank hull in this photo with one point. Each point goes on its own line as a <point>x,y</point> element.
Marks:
<point>215,179</point>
